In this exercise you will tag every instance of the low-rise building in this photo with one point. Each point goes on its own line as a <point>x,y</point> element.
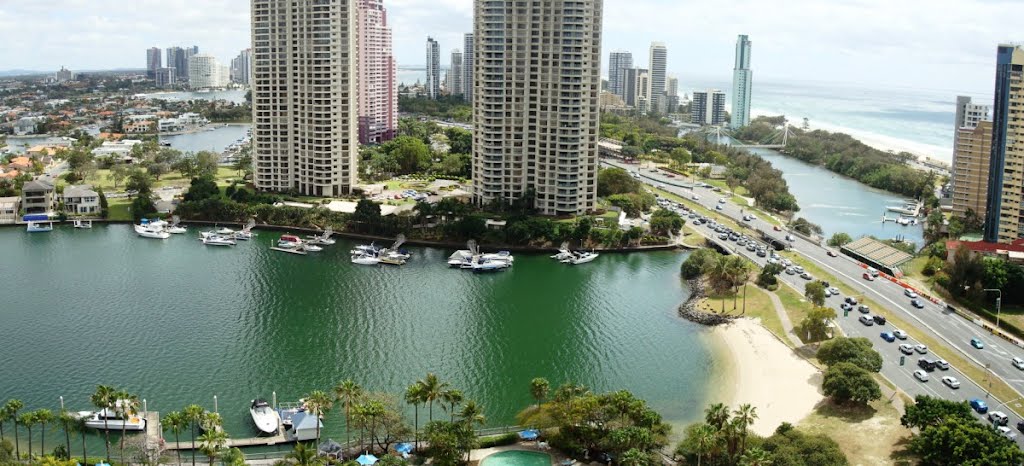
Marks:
<point>1012,251</point>
<point>9,208</point>
<point>22,163</point>
<point>81,200</point>
<point>121,150</point>
<point>38,197</point>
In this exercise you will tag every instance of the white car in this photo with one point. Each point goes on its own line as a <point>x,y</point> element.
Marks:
<point>1018,363</point>
<point>695,197</point>
<point>1007,432</point>
<point>834,290</point>
<point>942,364</point>
<point>921,375</point>
<point>910,293</point>
<point>921,349</point>
<point>906,348</point>
<point>721,201</point>
<point>900,334</point>
<point>951,382</point>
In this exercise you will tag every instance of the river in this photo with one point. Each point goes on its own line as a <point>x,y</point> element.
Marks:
<point>177,323</point>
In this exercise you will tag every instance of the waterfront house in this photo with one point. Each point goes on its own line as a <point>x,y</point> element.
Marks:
<point>38,197</point>
<point>9,207</point>
<point>22,164</point>
<point>81,200</point>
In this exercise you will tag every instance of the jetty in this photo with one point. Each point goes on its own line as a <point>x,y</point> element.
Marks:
<point>154,437</point>
<point>910,208</point>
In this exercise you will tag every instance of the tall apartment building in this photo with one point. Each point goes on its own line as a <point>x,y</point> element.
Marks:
<point>1004,215</point>
<point>634,86</point>
<point>467,66</point>
<point>187,55</point>
<point>707,107</point>
<point>176,60</point>
<point>166,77</point>
<point>305,122</point>
<point>535,104</point>
<point>433,83</point>
<point>241,67</point>
<point>153,62</point>
<point>619,63</point>
<point>455,86</point>
<point>204,71</point>
<point>742,81</point>
<point>972,147</point>
<point>378,85</point>
<point>643,99</point>
<point>656,92</point>
<point>672,93</point>
<point>64,75</point>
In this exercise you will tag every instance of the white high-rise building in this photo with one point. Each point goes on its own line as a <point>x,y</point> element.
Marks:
<point>205,72</point>
<point>467,66</point>
<point>433,84</point>
<point>378,88</point>
<point>455,86</point>
<point>537,82</point>
<point>619,63</point>
<point>656,90</point>
<point>742,80</point>
<point>304,105</point>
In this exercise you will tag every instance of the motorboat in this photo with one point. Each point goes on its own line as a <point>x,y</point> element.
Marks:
<point>365,249</point>
<point>243,235</point>
<point>218,240</point>
<point>395,254</point>
<point>83,224</point>
<point>225,231</point>
<point>324,239</point>
<point>311,247</point>
<point>581,258</point>
<point>175,228</point>
<point>500,256</point>
<point>563,253</point>
<point>263,415</point>
<point>146,229</point>
<point>365,259</point>
<point>389,260</point>
<point>112,420</point>
<point>38,223</point>
<point>289,242</point>
<point>460,258</point>
<point>483,266</point>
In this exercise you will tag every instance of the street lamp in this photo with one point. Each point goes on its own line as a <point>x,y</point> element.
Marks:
<point>999,300</point>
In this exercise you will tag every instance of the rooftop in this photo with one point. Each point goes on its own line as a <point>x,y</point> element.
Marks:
<point>878,252</point>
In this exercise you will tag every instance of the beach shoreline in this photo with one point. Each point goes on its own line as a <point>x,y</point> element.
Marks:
<point>757,368</point>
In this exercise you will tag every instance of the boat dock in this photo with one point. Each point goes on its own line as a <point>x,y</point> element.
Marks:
<point>910,208</point>
<point>154,436</point>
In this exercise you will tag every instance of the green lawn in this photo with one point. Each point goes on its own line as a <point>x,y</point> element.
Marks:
<point>119,209</point>
<point>758,306</point>
<point>795,304</point>
<point>100,179</point>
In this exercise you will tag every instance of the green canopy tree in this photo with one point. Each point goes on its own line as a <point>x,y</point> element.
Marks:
<point>848,382</point>
<point>539,388</point>
<point>928,411</point>
<point>839,240</point>
<point>956,440</point>
<point>815,293</point>
<point>858,351</point>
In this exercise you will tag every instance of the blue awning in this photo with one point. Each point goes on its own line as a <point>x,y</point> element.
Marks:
<point>366,459</point>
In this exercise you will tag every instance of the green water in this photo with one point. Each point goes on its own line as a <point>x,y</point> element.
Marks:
<point>518,458</point>
<point>178,322</point>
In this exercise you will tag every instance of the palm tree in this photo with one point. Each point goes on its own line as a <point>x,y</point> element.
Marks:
<point>744,416</point>
<point>414,396</point>
<point>12,407</point>
<point>66,420</point>
<point>176,422</point>
<point>738,272</point>
<point>103,399</point>
<point>44,417</point>
<point>212,441</point>
<point>4,417</point>
<point>472,413</point>
<point>126,405</point>
<point>539,388</point>
<point>705,441</point>
<point>755,457</point>
<point>634,457</point>
<point>716,415</point>
<point>28,419</point>
<point>77,424</point>
<point>348,392</point>
<point>319,404</point>
<point>301,455</point>
<point>453,397</point>
<point>432,390</point>
<point>193,414</point>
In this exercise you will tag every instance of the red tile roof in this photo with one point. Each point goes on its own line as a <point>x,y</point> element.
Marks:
<point>984,247</point>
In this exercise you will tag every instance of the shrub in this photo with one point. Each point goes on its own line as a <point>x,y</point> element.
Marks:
<point>499,440</point>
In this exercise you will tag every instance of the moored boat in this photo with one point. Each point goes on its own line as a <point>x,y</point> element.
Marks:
<point>146,229</point>
<point>106,419</point>
<point>365,259</point>
<point>263,415</point>
<point>83,224</point>
<point>581,258</point>
<point>289,242</point>
<point>38,223</point>
<point>217,240</point>
<point>174,228</point>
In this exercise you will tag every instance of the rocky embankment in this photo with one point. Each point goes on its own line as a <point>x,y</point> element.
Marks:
<point>688,310</point>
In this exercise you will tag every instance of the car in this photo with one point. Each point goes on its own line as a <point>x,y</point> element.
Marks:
<point>790,271</point>
<point>942,364</point>
<point>998,418</point>
<point>825,284</point>
<point>834,290</point>
<point>926,364</point>
<point>976,342</point>
<point>880,320</point>
<point>787,262</point>
<point>828,293</point>
<point>798,268</point>
<point>850,300</point>
<point>1020,426</point>
<point>790,238</point>
<point>909,293</point>
<point>831,253</point>
<point>873,271</point>
<point>695,197</point>
<point>868,277</point>
<point>887,336</point>
<point>741,242</point>
<point>921,349</point>
<point>718,207</point>
<point>723,236</point>
<point>950,381</point>
<point>1006,432</point>
<point>917,303</point>
<point>771,260</point>
<point>906,348</point>
<point>751,247</point>
<point>669,175</point>
<point>692,215</point>
<point>761,253</point>
<point>866,320</point>
<point>806,276</point>
<point>921,375</point>
<point>777,228</point>
<point>979,406</point>
<point>864,309</point>
<point>1018,363</point>
<point>900,334</point>
<point>721,200</point>
<point>845,307</point>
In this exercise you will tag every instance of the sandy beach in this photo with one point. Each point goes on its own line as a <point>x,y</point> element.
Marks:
<point>766,374</point>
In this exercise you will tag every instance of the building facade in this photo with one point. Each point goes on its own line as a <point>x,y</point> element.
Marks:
<point>433,83</point>
<point>38,197</point>
<point>64,75</point>
<point>535,103</point>
<point>81,200</point>
<point>153,62</point>
<point>467,66</point>
<point>632,87</point>
<point>1003,216</point>
<point>742,82</point>
<point>241,67</point>
<point>658,101</point>
<point>455,86</point>
<point>970,169</point>
<point>204,71</point>
<point>672,93</point>
<point>186,56</point>
<point>378,86</point>
<point>305,121</point>
<point>619,63</point>
<point>707,107</point>
<point>166,77</point>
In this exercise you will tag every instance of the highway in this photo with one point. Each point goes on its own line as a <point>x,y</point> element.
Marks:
<point>955,331</point>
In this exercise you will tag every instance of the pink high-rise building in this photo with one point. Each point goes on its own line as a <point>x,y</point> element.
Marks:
<point>378,88</point>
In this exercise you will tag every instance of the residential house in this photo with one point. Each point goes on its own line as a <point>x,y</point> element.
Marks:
<point>9,209</point>
<point>119,150</point>
<point>22,163</point>
<point>38,197</point>
<point>8,173</point>
<point>81,200</point>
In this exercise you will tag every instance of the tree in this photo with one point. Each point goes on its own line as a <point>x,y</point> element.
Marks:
<point>319,404</point>
<point>928,411</point>
<point>176,422</point>
<point>815,293</point>
<point>744,416</point>
<point>233,457</point>
<point>815,325</point>
<point>140,182</point>
<point>755,457</point>
<point>103,399</point>
<point>452,397</point>
<point>367,215</point>
<point>348,392</point>
<point>303,455</point>
<point>414,396</point>
<point>858,351</point>
<point>717,416</point>
<point>412,154</point>
<point>539,388</point>
<point>187,166</point>
<point>665,222</point>
<point>846,381</point>
<point>702,440</point>
<point>11,409</point>
<point>156,170</point>
<point>839,240</point>
<point>432,389</point>
<point>77,424</point>
<point>791,447</point>
<point>804,226</point>
<point>126,405</point>
<point>616,181</point>
<point>142,206</point>
<point>118,173</point>
<point>43,417</point>
<point>956,440</point>
<point>448,441</point>
<point>206,163</point>
<point>193,414</point>
<point>472,414</point>
<point>28,420</point>
<point>766,278</point>
<point>211,442</point>
<point>698,263</point>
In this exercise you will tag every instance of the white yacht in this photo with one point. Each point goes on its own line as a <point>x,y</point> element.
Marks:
<point>563,253</point>
<point>324,239</point>
<point>263,415</point>
<point>581,258</point>
<point>289,242</point>
<point>311,247</point>
<point>245,234</point>
<point>111,420</point>
<point>174,228</point>
<point>217,240</point>
<point>365,259</point>
<point>146,229</point>
<point>225,231</point>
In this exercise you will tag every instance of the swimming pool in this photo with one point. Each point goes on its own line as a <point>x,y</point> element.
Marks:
<point>517,458</point>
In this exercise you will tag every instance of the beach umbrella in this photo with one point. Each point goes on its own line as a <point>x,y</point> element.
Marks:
<point>366,459</point>
<point>529,434</point>
<point>404,448</point>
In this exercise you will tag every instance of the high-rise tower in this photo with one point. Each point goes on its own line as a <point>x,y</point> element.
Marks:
<point>153,61</point>
<point>455,86</point>
<point>467,66</point>
<point>378,86</point>
<point>658,101</point>
<point>742,79</point>
<point>619,63</point>
<point>433,83</point>
<point>1004,216</point>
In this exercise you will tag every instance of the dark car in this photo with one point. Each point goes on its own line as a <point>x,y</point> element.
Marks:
<point>979,405</point>
<point>917,303</point>
<point>888,336</point>
<point>1020,426</point>
<point>825,284</point>
<point>851,300</point>
<point>926,364</point>
<point>880,320</point>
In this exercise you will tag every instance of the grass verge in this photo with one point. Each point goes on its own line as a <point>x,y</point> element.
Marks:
<point>758,306</point>
<point>868,435</point>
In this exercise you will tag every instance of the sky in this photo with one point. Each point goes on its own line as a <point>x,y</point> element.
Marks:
<point>924,44</point>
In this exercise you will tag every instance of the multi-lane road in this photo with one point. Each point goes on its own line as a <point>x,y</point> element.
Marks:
<point>933,319</point>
